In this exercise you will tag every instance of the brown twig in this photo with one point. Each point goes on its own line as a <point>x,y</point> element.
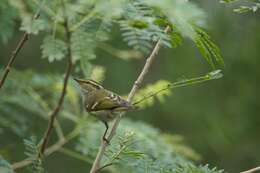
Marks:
<point>63,93</point>
<point>55,147</point>
<point>252,170</point>
<point>19,46</point>
<point>138,82</point>
<point>104,166</point>
<point>47,152</point>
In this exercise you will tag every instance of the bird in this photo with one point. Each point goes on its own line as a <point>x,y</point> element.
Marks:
<point>102,103</point>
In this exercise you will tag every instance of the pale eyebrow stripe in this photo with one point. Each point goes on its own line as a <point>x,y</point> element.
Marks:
<point>95,84</point>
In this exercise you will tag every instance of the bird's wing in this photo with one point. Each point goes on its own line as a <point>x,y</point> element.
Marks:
<point>110,102</point>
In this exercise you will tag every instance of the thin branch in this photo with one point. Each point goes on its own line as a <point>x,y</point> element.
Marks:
<point>114,157</point>
<point>55,147</point>
<point>138,82</point>
<point>47,152</point>
<point>18,48</point>
<point>55,112</point>
<point>104,166</point>
<point>183,83</point>
<point>83,21</point>
<point>252,170</point>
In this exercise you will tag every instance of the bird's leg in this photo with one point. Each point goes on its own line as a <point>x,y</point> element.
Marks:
<point>104,136</point>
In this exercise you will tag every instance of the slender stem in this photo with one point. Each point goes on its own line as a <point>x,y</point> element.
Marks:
<point>183,83</point>
<point>55,112</point>
<point>44,8</point>
<point>114,157</point>
<point>252,170</point>
<point>104,166</point>
<point>133,91</point>
<point>55,147</point>
<point>18,48</point>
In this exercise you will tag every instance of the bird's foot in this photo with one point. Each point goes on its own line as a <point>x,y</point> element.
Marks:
<point>106,140</point>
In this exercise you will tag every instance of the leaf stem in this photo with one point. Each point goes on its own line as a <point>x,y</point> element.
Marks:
<point>179,84</point>
<point>83,20</point>
<point>252,170</point>
<point>55,147</point>
<point>18,48</point>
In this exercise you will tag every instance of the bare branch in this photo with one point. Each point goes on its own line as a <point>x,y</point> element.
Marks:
<point>14,54</point>
<point>138,82</point>
<point>103,167</point>
<point>252,170</point>
<point>48,151</point>
<point>55,147</point>
<point>55,112</point>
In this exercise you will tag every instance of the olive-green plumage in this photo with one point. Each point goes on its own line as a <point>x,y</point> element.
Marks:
<point>102,103</point>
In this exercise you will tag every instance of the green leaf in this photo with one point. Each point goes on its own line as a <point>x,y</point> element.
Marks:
<point>176,39</point>
<point>32,26</point>
<point>53,49</point>
<point>83,50</point>
<point>31,151</point>
<point>7,24</point>
<point>128,154</point>
<point>140,28</point>
<point>182,14</point>
<point>207,48</point>
<point>152,88</point>
<point>83,46</point>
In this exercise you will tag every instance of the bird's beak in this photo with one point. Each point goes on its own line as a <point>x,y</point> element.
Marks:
<point>77,80</point>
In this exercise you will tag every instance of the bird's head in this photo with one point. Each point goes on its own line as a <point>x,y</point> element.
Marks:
<point>88,85</point>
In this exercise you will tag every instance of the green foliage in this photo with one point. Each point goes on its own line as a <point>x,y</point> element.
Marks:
<point>31,151</point>
<point>208,49</point>
<point>53,48</point>
<point>182,14</point>
<point>7,15</point>
<point>139,147</point>
<point>142,22</point>
<point>139,27</point>
<point>5,167</point>
<point>250,5</point>
<point>150,89</point>
<point>161,89</point>
<point>37,95</point>
<point>162,152</point>
<point>32,26</point>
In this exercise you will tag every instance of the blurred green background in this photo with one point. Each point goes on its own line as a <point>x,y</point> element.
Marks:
<point>219,119</point>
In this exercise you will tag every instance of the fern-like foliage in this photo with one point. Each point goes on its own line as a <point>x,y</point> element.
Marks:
<point>248,6</point>
<point>37,95</point>
<point>31,151</point>
<point>53,48</point>
<point>137,148</point>
<point>151,89</point>
<point>187,20</point>
<point>7,15</point>
<point>139,27</point>
<point>208,48</point>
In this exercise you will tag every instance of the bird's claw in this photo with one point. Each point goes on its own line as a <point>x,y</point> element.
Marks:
<point>106,140</point>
